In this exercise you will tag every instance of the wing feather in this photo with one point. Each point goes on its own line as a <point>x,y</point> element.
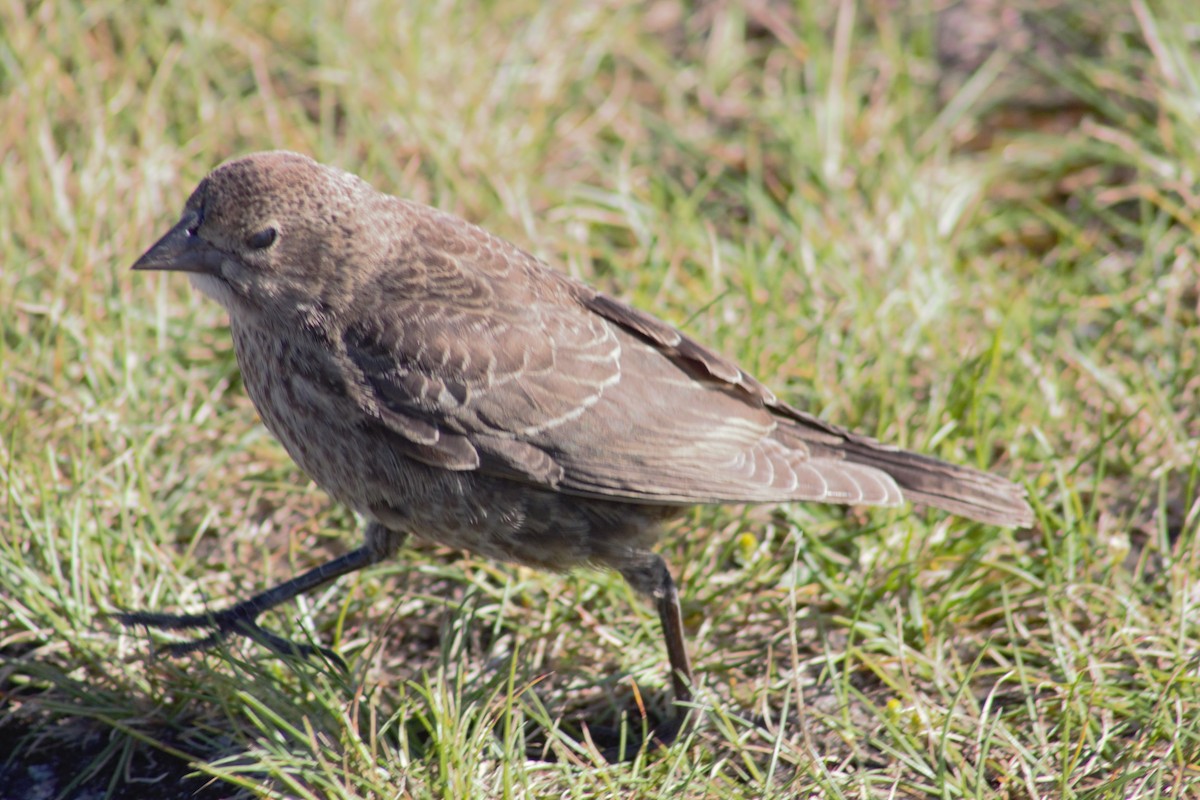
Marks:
<point>486,359</point>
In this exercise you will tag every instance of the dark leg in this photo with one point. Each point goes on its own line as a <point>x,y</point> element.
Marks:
<point>671,618</point>
<point>240,618</point>
<point>652,578</point>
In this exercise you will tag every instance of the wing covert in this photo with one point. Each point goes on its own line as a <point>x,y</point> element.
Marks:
<point>485,359</point>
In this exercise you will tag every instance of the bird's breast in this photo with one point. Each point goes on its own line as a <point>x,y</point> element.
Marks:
<point>305,403</point>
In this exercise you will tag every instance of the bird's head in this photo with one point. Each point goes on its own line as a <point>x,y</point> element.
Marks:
<point>267,232</point>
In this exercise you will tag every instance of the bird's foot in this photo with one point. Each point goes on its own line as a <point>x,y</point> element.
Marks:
<point>238,620</point>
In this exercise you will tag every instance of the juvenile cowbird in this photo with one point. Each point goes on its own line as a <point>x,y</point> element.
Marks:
<point>445,383</point>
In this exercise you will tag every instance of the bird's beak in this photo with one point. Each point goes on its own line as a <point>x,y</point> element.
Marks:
<point>182,250</point>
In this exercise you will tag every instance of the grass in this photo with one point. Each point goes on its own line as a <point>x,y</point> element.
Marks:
<point>991,256</point>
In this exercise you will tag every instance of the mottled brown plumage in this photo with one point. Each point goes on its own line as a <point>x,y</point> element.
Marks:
<point>444,383</point>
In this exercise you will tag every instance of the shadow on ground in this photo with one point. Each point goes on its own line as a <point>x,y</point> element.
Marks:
<point>75,758</point>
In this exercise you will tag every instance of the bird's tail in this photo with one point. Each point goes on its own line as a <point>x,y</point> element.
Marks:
<point>928,481</point>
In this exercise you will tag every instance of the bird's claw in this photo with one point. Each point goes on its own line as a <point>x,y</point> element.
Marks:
<point>223,624</point>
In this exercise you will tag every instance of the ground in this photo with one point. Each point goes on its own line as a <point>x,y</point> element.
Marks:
<point>967,228</point>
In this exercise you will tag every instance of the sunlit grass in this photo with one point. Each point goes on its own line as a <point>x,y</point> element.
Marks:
<point>997,264</point>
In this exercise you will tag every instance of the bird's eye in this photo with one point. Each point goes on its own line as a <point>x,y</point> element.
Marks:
<point>262,240</point>
<point>194,220</point>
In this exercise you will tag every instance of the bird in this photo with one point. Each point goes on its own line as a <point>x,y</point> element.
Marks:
<point>445,384</point>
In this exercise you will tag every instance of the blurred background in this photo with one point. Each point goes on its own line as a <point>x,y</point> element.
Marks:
<point>968,228</point>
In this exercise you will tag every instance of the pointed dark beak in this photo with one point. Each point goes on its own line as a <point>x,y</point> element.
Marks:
<point>182,250</point>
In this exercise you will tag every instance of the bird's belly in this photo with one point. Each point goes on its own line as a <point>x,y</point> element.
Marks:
<point>344,451</point>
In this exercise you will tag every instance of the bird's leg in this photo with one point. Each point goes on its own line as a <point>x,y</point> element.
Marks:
<point>669,614</point>
<point>240,618</point>
<point>652,578</point>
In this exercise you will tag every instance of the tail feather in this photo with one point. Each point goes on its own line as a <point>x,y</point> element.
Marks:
<point>960,490</point>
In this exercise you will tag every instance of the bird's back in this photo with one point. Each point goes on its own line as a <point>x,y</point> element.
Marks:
<point>467,354</point>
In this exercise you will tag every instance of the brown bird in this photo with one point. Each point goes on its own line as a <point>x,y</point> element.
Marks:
<point>446,384</point>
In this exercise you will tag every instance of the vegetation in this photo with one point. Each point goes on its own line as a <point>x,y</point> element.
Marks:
<point>975,236</point>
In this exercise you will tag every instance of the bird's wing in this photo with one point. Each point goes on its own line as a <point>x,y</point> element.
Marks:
<point>485,359</point>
